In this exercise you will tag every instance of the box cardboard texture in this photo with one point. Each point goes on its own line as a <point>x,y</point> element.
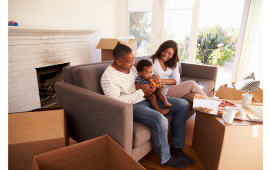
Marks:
<point>225,92</point>
<point>100,153</point>
<point>222,146</point>
<point>107,45</point>
<point>35,132</point>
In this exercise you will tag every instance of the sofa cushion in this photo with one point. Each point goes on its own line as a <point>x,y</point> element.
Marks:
<point>206,85</point>
<point>88,77</point>
<point>142,133</point>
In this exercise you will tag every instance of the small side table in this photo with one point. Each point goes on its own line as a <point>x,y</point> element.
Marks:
<point>222,146</point>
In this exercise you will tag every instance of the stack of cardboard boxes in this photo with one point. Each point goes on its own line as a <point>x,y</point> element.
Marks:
<point>229,146</point>
<point>39,140</point>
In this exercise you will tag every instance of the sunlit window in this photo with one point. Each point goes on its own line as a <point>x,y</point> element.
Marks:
<point>140,19</point>
<point>177,24</point>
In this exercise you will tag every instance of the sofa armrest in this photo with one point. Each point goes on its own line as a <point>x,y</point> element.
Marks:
<point>199,71</point>
<point>91,115</point>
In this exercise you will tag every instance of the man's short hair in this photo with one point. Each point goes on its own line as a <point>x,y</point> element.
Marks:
<point>143,63</point>
<point>120,51</point>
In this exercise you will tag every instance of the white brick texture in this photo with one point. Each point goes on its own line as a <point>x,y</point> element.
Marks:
<point>63,40</point>
<point>53,41</point>
<point>69,36</point>
<point>31,47</point>
<point>40,41</point>
<point>18,58</point>
<point>13,53</point>
<point>39,51</point>
<point>13,64</point>
<point>16,37</point>
<point>16,47</point>
<point>20,68</point>
<point>12,42</point>
<point>25,41</point>
<point>58,36</point>
<point>46,37</point>
<point>34,56</point>
<point>26,53</point>
<point>34,37</point>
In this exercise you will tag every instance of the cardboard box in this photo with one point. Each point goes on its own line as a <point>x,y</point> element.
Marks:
<point>100,153</point>
<point>221,146</point>
<point>35,132</point>
<point>225,92</point>
<point>107,45</point>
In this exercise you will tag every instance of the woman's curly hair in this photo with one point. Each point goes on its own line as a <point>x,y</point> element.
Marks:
<point>172,62</point>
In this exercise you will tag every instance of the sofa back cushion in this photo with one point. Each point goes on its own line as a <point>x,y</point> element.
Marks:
<point>88,77</point>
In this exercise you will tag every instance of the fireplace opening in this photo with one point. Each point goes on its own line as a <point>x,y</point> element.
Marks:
<point>47,77</point>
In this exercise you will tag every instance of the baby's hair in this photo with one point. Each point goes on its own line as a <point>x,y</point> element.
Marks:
<point>143,63</point>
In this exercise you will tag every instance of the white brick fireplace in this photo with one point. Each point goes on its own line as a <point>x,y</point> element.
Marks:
<point>31,48</point>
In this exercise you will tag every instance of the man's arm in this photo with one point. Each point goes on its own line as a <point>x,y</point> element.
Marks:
<point>113,90</point>
<point>138,86</point>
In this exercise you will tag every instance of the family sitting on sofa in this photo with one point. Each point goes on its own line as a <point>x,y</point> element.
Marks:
<point>118,82</point>
<point>102,98</point>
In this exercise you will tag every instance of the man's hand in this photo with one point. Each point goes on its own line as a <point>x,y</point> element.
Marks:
<point>144,86</point>
<point>149,91</point>
<point>161,87</point>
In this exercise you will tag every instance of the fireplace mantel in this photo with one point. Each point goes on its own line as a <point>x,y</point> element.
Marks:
<point>20,30</point>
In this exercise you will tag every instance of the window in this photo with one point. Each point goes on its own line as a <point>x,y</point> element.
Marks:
<point>140,19</point>
<point>177,24</point>
<point>218,31</point>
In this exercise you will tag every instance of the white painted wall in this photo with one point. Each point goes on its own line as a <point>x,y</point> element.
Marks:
<point>100,15</point>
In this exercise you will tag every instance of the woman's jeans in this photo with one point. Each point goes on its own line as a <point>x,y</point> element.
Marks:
<point>144,113</point>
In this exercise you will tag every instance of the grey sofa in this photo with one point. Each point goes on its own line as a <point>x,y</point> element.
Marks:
<point>91,114</point>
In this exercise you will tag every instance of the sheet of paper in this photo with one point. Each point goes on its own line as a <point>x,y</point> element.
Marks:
<point>212,103</point>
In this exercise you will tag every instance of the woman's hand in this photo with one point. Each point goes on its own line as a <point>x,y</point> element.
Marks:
<point>157,77</point>
<point>161,87</point>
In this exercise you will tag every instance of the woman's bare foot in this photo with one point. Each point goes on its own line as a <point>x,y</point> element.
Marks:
<point>163,111</point>
<point>167,104</point>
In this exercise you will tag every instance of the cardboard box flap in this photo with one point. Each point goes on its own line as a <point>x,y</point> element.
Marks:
<point>92,154</point>
<point>119,159</point>
<point>33,126</point>
<point>108,44</point>
<point>258,95</point>
<point>35,164</point>
<point>225,92</point>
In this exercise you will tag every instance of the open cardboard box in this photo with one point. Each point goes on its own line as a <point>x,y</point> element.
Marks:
<point>225,92</point>
<point>100,153</point>
<point>108,44</point>
<point>35,132</point>
<point>228,146</point>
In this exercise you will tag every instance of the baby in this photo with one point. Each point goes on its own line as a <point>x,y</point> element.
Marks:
<point>144,69</point>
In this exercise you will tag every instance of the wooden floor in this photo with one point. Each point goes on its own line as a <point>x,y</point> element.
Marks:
<point>150,161</point>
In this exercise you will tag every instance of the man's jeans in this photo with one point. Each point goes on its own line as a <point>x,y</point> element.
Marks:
<point>144,113</point>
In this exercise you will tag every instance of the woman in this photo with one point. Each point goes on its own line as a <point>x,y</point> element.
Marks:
<point>165,68</point>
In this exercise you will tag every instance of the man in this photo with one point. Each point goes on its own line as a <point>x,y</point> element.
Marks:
<point>118,82</point>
